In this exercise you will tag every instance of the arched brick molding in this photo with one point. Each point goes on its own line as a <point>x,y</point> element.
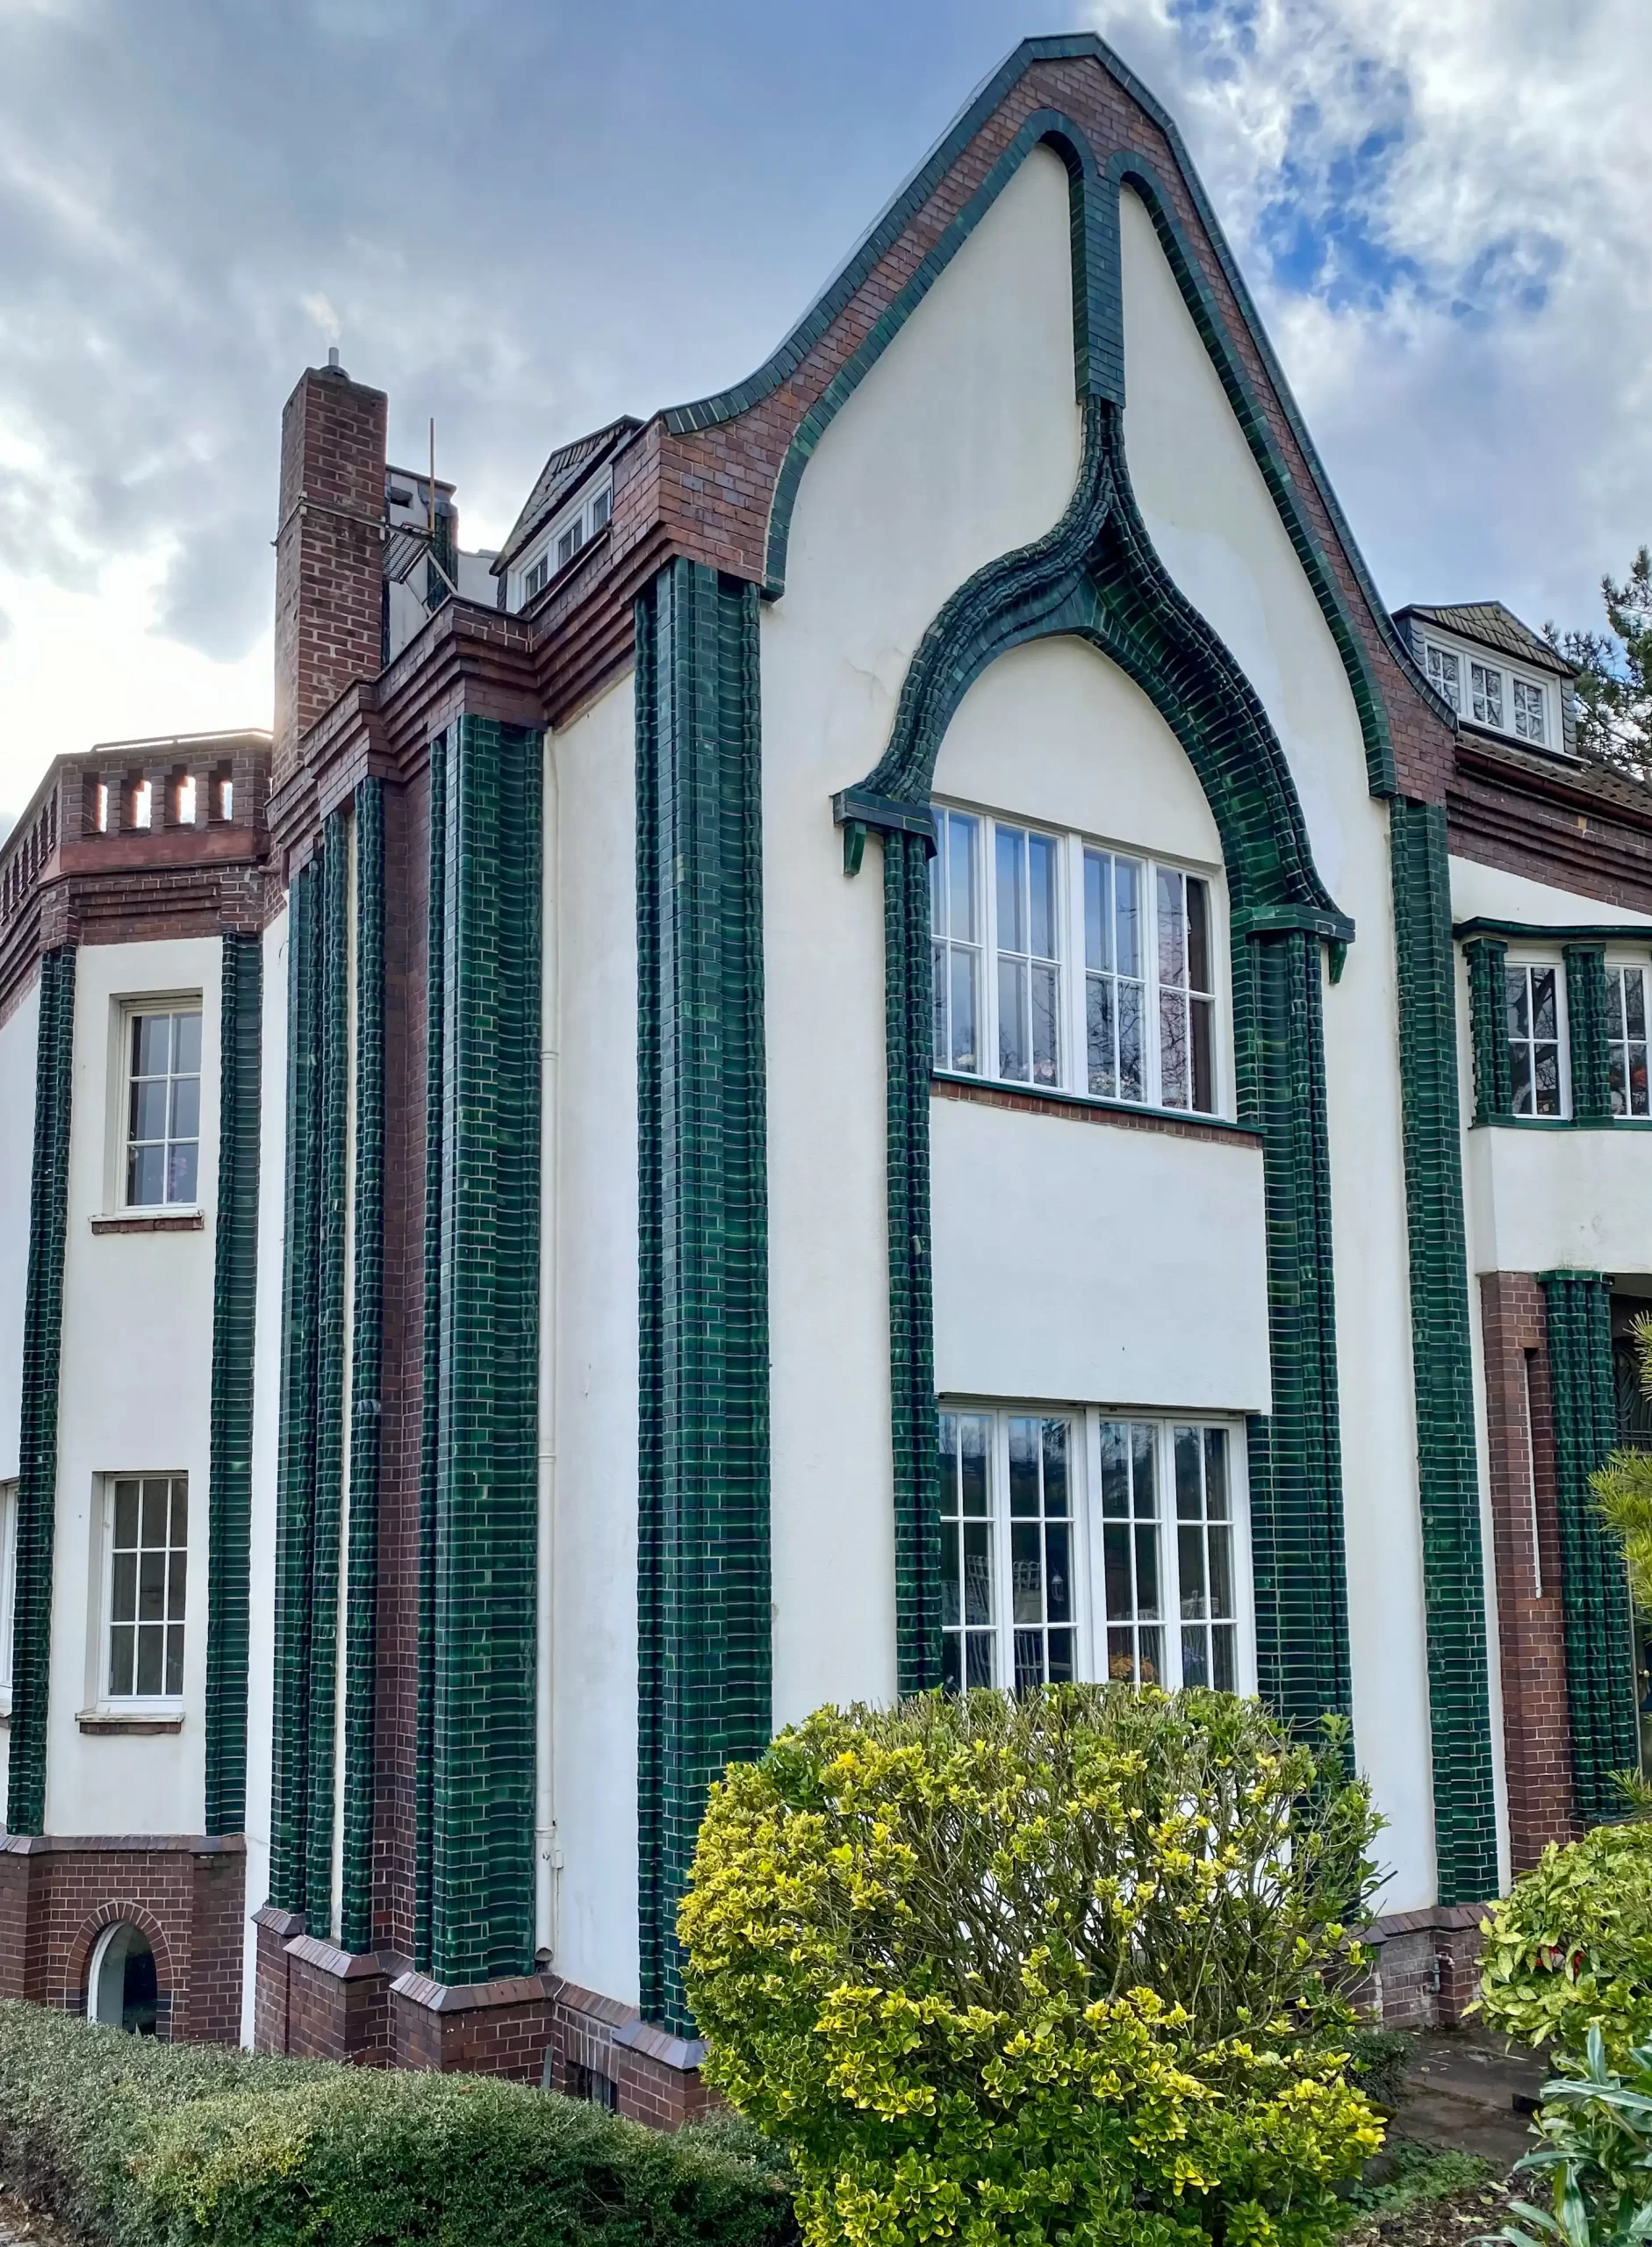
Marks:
<point>72,1997</point>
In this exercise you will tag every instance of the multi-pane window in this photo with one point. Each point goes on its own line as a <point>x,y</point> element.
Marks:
<point>1498,698</point>
<point>1534,1038</point>
<point>565,539</point>
<point>1082,1545</point>
<point>148,1568</point>
<point>1011,905</point>
<point>1487,684</point>
<point>1445,675</point>
<point>1529,720</point>
<point>1169,1573</point>
<point>1626,1040</point>
<point>163,1117</point>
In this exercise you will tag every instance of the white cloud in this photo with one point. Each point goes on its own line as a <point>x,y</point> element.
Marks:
<point>1440,206</point>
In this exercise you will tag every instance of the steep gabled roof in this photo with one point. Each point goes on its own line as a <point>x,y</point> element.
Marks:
<point>1491,625</point>
<point>565,468</point>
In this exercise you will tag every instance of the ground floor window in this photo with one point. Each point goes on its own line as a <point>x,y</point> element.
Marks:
<point>122,1988</point>
<point>1084,1543</point>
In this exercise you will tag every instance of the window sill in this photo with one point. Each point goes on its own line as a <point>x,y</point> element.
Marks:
<point>1561,1124</point>
<point>155,1719</point>
<point>1087,1107</point>
<point>152,1220</point>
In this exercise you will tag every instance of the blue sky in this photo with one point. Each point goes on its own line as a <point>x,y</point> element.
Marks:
<point>524,216</point>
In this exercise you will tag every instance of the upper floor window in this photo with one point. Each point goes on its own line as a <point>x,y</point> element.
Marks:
<point>570,534</point>
<point>1626,1040</point>
<point>1060,962</point>
<point>163,1110</point>
<point>147,1576</point>
<point>1535,1077</point>
<point>1497,697</point>
<point>1082,1545</point>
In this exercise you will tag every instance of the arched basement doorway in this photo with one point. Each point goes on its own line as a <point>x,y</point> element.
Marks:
<point>122,1988</point>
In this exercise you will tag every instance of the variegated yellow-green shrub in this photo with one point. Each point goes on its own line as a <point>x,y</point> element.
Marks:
<point>1061,1969</point>
<point>1571,1945</point>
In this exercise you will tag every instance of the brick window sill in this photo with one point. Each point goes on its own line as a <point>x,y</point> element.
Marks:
<point>152,1220</point>
<point>1085,1108</point>
<point>103,1722</point>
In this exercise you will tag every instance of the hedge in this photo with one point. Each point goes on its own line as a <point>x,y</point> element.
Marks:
<point>135,2143</point>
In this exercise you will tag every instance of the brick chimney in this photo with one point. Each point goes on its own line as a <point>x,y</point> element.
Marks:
<point>329,550</point>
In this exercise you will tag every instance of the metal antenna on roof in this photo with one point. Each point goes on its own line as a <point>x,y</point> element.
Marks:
<point>432,518</point>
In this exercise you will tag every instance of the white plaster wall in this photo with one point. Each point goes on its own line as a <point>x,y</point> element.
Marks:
<point>272,1160</point>
<point>1217,532</point>
<point>1107,1266</point>
<point>134,1397</point>
<point>1498,896</point>
<point>591,1201</point>
<point>963,441</point>
<point>1545,1201</point>
<point>17,1039</point>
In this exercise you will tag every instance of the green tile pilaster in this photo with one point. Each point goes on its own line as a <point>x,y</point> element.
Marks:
<point>1594,1586</point>
<point>295,1483</point>
<point>1296,1531</point>
<point>703,1588</point>
<point>907,1038</point>
<point>36,1434</point>
<point>1488,1024</point>
<point>361,1661</point>
<point>486,1405</point>
<point>1586,1032</point>
<point>424,1720</point>
<point>1448,1486</point>
<point>235,1303</point>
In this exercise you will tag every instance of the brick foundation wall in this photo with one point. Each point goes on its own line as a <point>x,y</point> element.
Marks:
<point>1427,1966</point>
<point>187,1894</point>
<point>1526,1544</point>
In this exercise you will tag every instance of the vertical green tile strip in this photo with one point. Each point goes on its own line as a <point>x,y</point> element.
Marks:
<point>361,1659</point>
<point>1489,1022</point>
<point>424,1720</point>
<point>1448,1482</point>
<point>907,1039</point>
<point>295,1482</point>
<point>333,1226</point>
<point>703,1592</point>
<point>487,1400</point>
<point>37,1446</point>
<point>1587,1031</point>
<point>235,1305</point>
<point>1297,1530</point>
<point>1594,1588</point>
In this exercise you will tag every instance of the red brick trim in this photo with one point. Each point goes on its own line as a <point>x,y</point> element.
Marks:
<point>1526,1546</point>
<point>193,1222</point>
<point>1071,1108</point>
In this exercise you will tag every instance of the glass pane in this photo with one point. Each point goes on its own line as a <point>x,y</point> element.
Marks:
<point>1098,947</point>
<point>1012,1019</point>
<point>151,1649</point>
<point>125,1513</point>
<point>1029,1660</point>
<point>1114,1468</point>
<point>176,1563</point>
<point>1637,1081</point>
<point>1147,1571</point>
<point>1543,1015</point>
<point>1011,858</point>
<point>121,1659</point>
<point>1055,1496</point>
<point>1127,916</point>
<point>1204,1016</point>
<point>1189,1496</point>
<point>942,1053</point>
<point>186,1108</point>
<point>1190,1568</point>
<point>1046,1028</point>
<point>1024,1466</point>
<point>156,1496</point>
<point>971,1435</point>
<point>1153,1656</point>
<point>1199,936</point>
<point>1547,1059</point>
<point>1219,1543</point>
<point>122,1596</point>
<point>1116,1570</point>
<point>146,1176</point>
<point>962,979</point>
<point>1041,896</point>
<point>1215,1473</point>
<point>1062,1671</point>
<point>979,1658</point>
<point>1141,1445</point>
<point>1520,1079</point>
<point>937,895</point>
<point>1172,948</point>
<point>1616,1081</point>
<point>1120,1657</point>
<point>1130,1071</point>
<point>151,1045</point>
<point>1098,1004</point>
<point>186,1044</point>
<point>149,1109</point>
<point>1614,1002</point>
<point>951,1681</point>
<point>152,1586</point>
<point>1634,1002</point>
<point>175,1658</point>
<point>1058,1575</point>
<point>1026,1573</point>
<point>180,1511</point>
<point>1519,1003</point>
<point>1195,1670</point>
<point>1224,1669</point>
<point>182,1164</point>
<point>978,1583</point>
<point>952,1612</point>
<point>961,873</point>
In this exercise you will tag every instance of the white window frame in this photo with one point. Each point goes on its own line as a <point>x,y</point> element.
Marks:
<point>1624,1045</point>
<point>128,1008</point>
<point>8,1586</point>
<point>1528,962</point>
<point>1072,971</point>
<point>1471,695</point>
<point>1091,1619</point>
<point>580,523</point>
<point>106,1699</point>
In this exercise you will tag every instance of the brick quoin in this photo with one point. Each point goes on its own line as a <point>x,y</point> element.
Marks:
<point>1526,1544</point>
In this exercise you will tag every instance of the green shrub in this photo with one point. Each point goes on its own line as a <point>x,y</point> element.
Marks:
<point>1378,2061</point>
<point>141,2144</point>
<point>1058,1969</point>
<point>1571,1945</point>
<point>1596,2150</point>
<point>1417,2177</point>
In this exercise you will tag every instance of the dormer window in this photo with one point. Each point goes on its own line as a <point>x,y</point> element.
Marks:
<point>533,580</point>
<point>1497,697</point>
<point>568,536</point>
